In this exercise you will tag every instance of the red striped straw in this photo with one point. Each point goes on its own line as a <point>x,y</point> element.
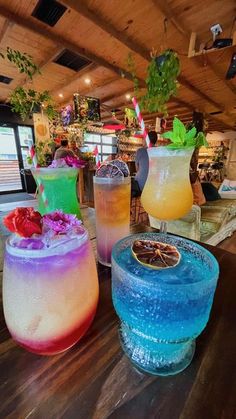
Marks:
<point>141,121</point>
<point>35,164</point>
<point>96,154</point>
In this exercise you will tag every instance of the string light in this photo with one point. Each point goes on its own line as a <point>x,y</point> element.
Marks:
<point>128,96</point>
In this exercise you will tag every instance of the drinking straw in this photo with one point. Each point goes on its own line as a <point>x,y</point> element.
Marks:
<point>35,164</point>
<point>96,154</point>
<point>141,121</point>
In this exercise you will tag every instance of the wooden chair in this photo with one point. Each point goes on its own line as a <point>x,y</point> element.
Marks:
<point>138,214</point>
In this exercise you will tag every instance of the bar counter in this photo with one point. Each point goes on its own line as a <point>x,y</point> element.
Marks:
<point>94,379</point>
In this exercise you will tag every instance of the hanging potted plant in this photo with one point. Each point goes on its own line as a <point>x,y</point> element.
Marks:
<point>161,81</point>
<point>27,101</point>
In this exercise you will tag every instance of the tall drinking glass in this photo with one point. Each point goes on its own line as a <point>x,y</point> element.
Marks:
<point>112,205</point>
<point>50,295</point>
<point>162,311</point>
<point>60,189</point>
<point>167,194</point>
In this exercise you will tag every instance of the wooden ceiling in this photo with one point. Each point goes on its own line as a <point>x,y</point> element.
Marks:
<point>105,32</point>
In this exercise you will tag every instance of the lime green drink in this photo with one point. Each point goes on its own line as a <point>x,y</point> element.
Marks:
<point>60,189</point>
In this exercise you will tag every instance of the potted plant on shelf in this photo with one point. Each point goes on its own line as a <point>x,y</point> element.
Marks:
<point>27,101</point>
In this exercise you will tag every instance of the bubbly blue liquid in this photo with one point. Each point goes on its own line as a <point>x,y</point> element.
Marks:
<point>163,306</point>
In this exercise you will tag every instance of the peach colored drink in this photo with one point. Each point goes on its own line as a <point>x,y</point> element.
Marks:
<point>50,295</point>
<point>167,194</point>
<point>112,205</point>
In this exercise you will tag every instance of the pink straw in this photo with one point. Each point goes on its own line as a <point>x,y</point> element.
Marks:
<point>141,121</point>
<point>35,164</point>
<point>96,154</point>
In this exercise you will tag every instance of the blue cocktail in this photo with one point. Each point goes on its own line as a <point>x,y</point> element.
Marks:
<point>162,311</point>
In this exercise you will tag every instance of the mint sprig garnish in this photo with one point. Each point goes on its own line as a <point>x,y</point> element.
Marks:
<point>180,137</point>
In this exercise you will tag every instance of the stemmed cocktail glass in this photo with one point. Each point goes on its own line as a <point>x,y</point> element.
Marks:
<point>167,194</point>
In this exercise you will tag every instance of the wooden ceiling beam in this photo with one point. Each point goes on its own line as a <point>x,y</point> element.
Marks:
<point>186,105</point>
<point>75,77</point>
<point>120,94</point>
<point>89,89</point>
<point>106,26</point>
<point>165,9</point>
<point>99,21</point>
<point>6,26</point>
<point>43,64</point>
<point>43,30</point>
<point>191,87</point>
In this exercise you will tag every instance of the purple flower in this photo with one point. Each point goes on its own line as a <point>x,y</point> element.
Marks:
<point>74,162</point>
<point>34,244</point>
<point>62,223</point>
<point>58,163</point>
<point>68,161</point>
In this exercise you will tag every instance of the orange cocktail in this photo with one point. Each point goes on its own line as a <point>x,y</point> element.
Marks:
<point>112,205</point>
<point>167,194</point>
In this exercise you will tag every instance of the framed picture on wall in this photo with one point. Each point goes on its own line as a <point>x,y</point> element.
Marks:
<point>86,108</point>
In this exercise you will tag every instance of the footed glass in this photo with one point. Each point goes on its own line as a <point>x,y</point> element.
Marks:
<point>167,194</point>
<point>60,189</point>
<point>162,311</point>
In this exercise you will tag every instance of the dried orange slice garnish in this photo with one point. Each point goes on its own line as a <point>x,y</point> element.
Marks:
<point>155,255</point>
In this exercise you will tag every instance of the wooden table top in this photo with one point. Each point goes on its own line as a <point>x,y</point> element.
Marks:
<point>94,379</point>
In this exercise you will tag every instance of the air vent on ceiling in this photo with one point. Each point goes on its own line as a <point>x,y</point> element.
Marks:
<point>5,79</point>
<point>216,113</point>
<point>71,60</point>
<point>49,11</point>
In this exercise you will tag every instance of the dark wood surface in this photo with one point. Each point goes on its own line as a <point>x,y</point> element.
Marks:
<point>95,380</point>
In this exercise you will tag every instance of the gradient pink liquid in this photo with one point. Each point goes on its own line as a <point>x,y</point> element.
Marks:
<point>112,205</point>
<point>50,296</point>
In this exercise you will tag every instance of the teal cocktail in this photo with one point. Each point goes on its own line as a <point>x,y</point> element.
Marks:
<point>60,189</point>
<point>162,311</point>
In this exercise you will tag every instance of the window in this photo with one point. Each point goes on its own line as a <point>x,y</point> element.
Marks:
<point>107,145</point>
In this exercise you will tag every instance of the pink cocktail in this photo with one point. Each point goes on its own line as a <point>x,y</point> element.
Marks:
<point>112,205</point>
<point>50,294</point>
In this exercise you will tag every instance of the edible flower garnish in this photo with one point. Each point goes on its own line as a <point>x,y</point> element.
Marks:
<point>24,221</point>
<point>60,223</point>
<point>68,161</point>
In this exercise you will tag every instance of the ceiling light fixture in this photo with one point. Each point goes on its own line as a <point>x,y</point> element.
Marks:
<point>87,80</point>
<point>128,96</point>
<point>60,95</point>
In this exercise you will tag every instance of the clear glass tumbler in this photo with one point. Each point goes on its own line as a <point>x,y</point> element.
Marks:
<point>162,311</point>
<point>112,205</point>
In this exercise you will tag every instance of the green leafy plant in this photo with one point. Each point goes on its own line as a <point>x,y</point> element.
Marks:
<point>42,149</point>
<point>131,65</point>
<point>161,81</point>
<point>22,61</point>
<point>180,137</point>
<point>27,101</point>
